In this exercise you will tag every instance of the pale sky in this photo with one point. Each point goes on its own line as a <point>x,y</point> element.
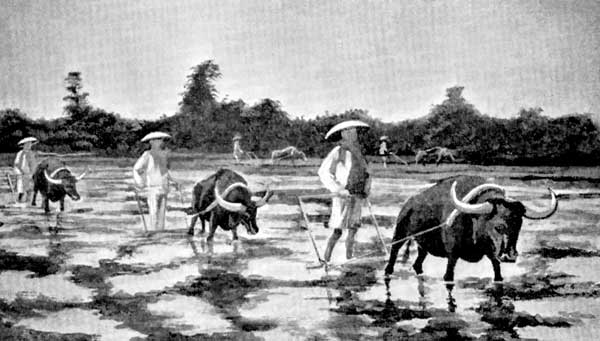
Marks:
<point>393,58</point>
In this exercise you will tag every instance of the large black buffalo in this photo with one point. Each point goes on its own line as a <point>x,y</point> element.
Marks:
<point>226,201</point>
<point>54,181</point>
<point>484,223</point>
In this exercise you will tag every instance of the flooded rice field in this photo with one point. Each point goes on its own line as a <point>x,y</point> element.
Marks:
<point>101,277</point>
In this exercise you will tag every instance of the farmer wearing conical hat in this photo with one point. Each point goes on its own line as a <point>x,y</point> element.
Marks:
<point>25,164</point>
<point>151,173</point>
<point>344,173</point>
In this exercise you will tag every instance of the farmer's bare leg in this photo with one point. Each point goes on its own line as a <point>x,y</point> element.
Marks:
<point>335,236</point>
<point>353,222</point>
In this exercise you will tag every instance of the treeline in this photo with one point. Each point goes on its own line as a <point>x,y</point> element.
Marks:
<point>205,124</point>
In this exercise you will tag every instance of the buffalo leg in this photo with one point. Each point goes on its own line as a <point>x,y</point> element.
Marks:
<point>202,220</point>
<point>406,251</point>
<point>234,233</point>
<point>34,197</point>
<point>192,224</point>
<point>496,266</point>
<point>449,276</point>
<point>62,205</point>
<point>418,265</point>
<point>398,235</point>
<point>212,228</point>
<point>45,204</point>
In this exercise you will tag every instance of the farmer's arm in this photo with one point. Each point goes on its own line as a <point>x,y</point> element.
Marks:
<point>139,168</point>
<point>19,163</point>
<point>327,171</point>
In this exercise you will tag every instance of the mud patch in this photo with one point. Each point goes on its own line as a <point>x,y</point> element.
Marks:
<point>560,249</point>
<point>502,315</point>
<point>10,332</point>
<point>222,288</point>
<point>41,266</point>
<point>534,286</point>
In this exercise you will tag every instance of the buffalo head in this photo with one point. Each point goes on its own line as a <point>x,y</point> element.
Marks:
<point>63,178</point>
<point>240,203</point>
<point>499,219</point>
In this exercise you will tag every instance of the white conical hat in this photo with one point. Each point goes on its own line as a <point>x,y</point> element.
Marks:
<point>156,135</point>
<point>237,136</point>
<point>345,125</point>
<point>384,137</point>
<point>27,139</point>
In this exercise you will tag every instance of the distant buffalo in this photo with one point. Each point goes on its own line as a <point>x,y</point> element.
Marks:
<point>287,153</point>
<point>440,153</point>
<point>54,181</point>
<point>484,223</point>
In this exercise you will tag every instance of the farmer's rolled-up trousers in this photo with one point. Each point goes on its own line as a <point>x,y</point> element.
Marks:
<point>346,212</point>
<point>157,206</point>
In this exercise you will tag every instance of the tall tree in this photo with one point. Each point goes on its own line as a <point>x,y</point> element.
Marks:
<point>200,93</point>
<point>77,104</point>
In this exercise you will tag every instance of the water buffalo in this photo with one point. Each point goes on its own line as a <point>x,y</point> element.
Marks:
<point>226,201</point>
<point>484,223</point>
<point>439,153</point>
<point>289,153</point>
<point>54,181</point>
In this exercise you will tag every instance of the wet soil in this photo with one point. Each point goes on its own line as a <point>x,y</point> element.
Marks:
<point>93,273</point>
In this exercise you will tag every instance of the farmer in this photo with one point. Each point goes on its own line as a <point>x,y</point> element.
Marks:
<point>151,172</point>
<point>344,173</point>
<point>238,153</point>
<point>383,150</point>
<point>25,164</point>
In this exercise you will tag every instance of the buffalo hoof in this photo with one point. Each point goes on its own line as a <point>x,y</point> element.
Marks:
<point>389,270</point>
<point>190,232</point>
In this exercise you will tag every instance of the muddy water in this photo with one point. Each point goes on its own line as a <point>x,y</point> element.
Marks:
<point>101,277</point>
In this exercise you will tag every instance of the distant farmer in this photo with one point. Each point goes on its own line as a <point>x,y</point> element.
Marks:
<point>344,173</point>
<point>151,172</point>
<point>383,150</point>
<point>25,164</point>
<point>238,152</point>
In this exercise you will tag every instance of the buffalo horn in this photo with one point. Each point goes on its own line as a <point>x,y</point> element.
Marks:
<point>229,206</point>
<point>472,193</point>
<point>53,174</point>
<point>82,175</point>
<point>482,208</point>
<point>531,213</point>
<point>262,201</point>
<point>51,180</point>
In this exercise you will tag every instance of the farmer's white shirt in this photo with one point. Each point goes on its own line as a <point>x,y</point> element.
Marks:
<point>24,162</point>
<point>383,148</point>
<point>337,181</point>
<point>152,177</point>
